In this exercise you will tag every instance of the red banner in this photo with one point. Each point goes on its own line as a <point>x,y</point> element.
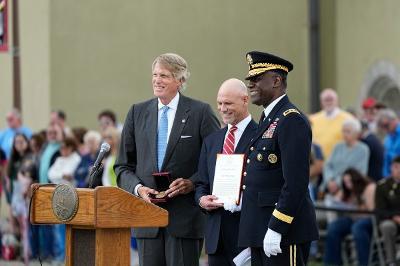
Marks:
<point>3,26</point>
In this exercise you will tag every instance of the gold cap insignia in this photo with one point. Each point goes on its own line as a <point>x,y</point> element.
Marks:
<point>249,59</point>
<point>272,158</point>
<point>259,157</point>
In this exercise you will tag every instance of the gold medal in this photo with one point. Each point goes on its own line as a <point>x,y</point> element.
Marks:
<point>272,158</point>
<point>160,195</point>
<point>259,157</point>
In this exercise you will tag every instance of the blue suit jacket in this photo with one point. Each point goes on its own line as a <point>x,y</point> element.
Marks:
<point>219,219</point>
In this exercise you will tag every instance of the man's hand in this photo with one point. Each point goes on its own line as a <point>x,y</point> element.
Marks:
<point>145,192</point>
<point>179,186</point>
<point>272,243</point>
<point>208,203</point>
<point>230,205</point>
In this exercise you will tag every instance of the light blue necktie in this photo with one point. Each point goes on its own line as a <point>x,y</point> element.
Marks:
<point>162,137</point>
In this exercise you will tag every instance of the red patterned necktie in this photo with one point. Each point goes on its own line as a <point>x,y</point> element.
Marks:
<point>229,144</point>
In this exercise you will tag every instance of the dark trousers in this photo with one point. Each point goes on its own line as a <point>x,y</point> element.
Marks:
<point>224,254</point>
<point>292,255</point>
<point>166,250</point>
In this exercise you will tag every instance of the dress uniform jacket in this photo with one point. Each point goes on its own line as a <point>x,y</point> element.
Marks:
<point>276,180</point>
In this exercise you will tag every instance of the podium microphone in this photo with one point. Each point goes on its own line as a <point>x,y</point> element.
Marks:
<point>97,166</point>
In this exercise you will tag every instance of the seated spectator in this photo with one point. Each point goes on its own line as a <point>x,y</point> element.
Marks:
<point>63,169</point>
<point>357,192</point>
<point>111,136</point>
<point>389,123</point>
<point>387,199</point>
<point>375,162</point>
<point>92,142</point>
<point>351,153</point>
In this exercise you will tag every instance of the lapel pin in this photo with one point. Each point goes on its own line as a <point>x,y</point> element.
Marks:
<point>183,120</point>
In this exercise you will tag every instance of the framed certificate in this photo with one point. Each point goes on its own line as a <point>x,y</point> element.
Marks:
<point>228,176</point>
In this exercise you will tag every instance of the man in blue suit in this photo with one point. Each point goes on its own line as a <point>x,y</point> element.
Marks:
<point>223,218</point>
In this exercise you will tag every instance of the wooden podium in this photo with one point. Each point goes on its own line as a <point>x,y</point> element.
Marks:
<point>100,232</point>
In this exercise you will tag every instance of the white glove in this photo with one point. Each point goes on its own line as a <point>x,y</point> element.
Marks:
<point>230,205</point>
<point>272,243</point>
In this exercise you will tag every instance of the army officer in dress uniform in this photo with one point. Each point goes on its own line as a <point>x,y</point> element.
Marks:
<point>278,218</point>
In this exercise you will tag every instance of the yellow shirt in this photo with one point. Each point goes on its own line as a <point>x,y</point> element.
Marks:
<point>327,131</point>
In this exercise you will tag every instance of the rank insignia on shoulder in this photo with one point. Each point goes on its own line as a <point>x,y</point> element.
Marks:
<point>272,158</point>
<point>259,157</point>
<point>289,111</point>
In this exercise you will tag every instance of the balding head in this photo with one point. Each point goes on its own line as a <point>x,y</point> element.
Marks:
<point>232,101</point>
<point>329,100</point>
<point>14,118</point>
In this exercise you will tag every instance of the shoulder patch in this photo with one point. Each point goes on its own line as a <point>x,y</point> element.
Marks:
<point>289,111</point>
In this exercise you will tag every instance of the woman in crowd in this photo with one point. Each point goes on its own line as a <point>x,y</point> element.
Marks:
<point>20,151</point>
<point>92,144</point>
<point>357,192</point>
<point>350,153</point>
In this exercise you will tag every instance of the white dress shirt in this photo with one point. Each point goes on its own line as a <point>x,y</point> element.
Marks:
<point>241,126</point>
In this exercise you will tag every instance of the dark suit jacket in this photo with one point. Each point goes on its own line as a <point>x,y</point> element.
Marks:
<point>137,159</point>
<point>219,219</point>
<point>276,180</point>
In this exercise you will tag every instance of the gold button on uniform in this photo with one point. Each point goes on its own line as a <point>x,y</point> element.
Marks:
<point>252,148</point>
<point>248,160</point>
<point>244,187</point>
<point>259,157</point>
<point>244,174</point>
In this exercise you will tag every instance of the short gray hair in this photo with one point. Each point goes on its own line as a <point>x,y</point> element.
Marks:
<point>91,134</point>
<point>176,64</point>
<point>352,123</point>
<point>388,114</point>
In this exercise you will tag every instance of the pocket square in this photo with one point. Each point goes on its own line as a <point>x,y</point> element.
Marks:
<point>185,137</point>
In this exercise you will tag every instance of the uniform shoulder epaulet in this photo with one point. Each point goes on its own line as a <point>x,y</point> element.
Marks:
<point>289,111</point>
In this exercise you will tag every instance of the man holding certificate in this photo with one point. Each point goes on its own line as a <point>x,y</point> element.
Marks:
<point>278,218</point>
<point>220,173</point>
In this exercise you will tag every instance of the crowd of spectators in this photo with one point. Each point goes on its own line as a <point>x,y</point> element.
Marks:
<point>353,155</point>
<point>57,154</point>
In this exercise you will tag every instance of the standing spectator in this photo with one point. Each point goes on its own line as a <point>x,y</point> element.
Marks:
<point>51,151</point>
<point>20,151</point>
<point>358,193</point>
<point>62,172</point>
<point>92,142</point>
<point>36,143</point>
<point>375,162</point>
<point>387,201</point>
<point>14,122</point>
<point>327,123</point>
<point>112,137</point>
<point>351,153</point>
<point>369,115</point>
<point>389,123</point>
<point>59,117</point>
